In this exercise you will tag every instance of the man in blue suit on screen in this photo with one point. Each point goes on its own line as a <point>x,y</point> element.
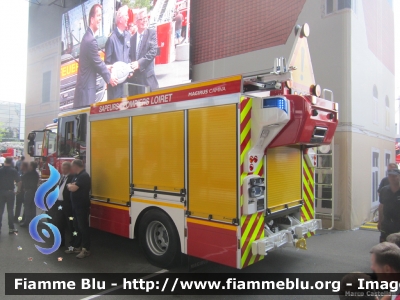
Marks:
<point>90,63</point>
<point>143,51</point>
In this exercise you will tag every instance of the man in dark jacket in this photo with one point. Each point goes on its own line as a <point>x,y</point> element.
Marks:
<point>385,180</point>
<point>63,218</point>
<point>19,163</point>
<point>8,177</point>
<point>389,206</point>
<point>90,63</point>
<point>30,182</point>
<point>117,49</point>
<point>80,199</point>
<point>143,52</point>
<point>19,199</point>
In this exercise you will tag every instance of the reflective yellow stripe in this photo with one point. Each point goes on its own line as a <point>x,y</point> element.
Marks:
<point>251,230</point>
<point>303,209</point>
<point>74,112</point>
<point>245,131</point>
<point>246,110</point>
<point>211,224</point>
<point>243,154</point>
<point>305,167</point>
<point>308,181</point>
<point>308,200</point>
<point>242,177</point>
<point>157,203</point>
<point>247,230</point>
<point>252,238</point>
<point>259,167</point>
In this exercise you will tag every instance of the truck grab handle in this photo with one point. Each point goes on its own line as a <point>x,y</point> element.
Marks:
<point>324,91</point>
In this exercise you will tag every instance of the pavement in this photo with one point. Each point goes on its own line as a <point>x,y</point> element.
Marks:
<point>174,73</point>
<point>328,251</point>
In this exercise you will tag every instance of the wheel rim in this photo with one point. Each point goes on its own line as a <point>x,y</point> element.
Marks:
<point>157,238</point>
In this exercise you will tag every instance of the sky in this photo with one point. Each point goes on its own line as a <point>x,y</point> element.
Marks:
<point>13,50</point>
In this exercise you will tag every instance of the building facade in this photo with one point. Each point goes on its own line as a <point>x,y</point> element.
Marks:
<point>12,121</point>
<point>352,51</point>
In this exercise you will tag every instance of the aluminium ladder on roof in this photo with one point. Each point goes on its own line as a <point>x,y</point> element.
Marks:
<point>324,179</point>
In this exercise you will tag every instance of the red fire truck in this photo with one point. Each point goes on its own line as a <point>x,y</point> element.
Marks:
<point>222,170</point>
<point>9,152</point>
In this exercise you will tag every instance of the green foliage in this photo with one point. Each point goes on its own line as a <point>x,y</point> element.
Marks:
<point>3,131</point>
<point>137,3</point>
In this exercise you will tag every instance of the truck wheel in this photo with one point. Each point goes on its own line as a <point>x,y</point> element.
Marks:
<point>159,239</point>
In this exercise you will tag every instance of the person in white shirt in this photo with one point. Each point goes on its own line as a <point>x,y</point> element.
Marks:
<point>2,160</point>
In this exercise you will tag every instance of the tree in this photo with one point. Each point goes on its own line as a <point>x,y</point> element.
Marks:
<point>137,3</point>
<point>2,131</point>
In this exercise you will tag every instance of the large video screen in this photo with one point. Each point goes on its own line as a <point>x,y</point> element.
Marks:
<point>114,43</point>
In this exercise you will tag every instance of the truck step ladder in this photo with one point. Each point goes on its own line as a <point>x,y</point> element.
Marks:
<point>324,180</point>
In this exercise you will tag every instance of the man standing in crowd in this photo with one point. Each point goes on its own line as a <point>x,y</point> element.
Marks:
<point>389,207</point>
<point>143,51</point>
<point>15,161</point>
<point>385,263</point>
<point>8,177</point>
<point>117,49</point>
<point>80,199</point>
<point>19,163</point>
<point>62,218</point>
<point>394,238</point>
<point>19,199</point>
<point>385,258</point>
<point>385,181</point>
<point>178,26</point>
<point>90,63</point>
<point>30,182</point>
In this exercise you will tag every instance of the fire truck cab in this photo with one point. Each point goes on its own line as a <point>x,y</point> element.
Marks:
<point>221,170</point>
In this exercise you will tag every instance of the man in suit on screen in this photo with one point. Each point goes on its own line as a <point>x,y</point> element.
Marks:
<point>117,48</point>
<point>90,63</point>
<point>143,52</point>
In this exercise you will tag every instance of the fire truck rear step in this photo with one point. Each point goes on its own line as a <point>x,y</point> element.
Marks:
<point>288,236</point>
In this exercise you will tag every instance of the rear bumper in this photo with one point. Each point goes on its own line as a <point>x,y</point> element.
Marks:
<point>287,236</point>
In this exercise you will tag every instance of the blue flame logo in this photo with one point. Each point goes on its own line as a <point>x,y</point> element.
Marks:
<point>47,194</point>
<point>45,197</point>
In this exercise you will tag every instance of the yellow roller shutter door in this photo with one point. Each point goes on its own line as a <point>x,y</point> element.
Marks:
<point>283,177</point>
<point>110,160</point>
<point>158,151</point>
<point>213,162</point>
